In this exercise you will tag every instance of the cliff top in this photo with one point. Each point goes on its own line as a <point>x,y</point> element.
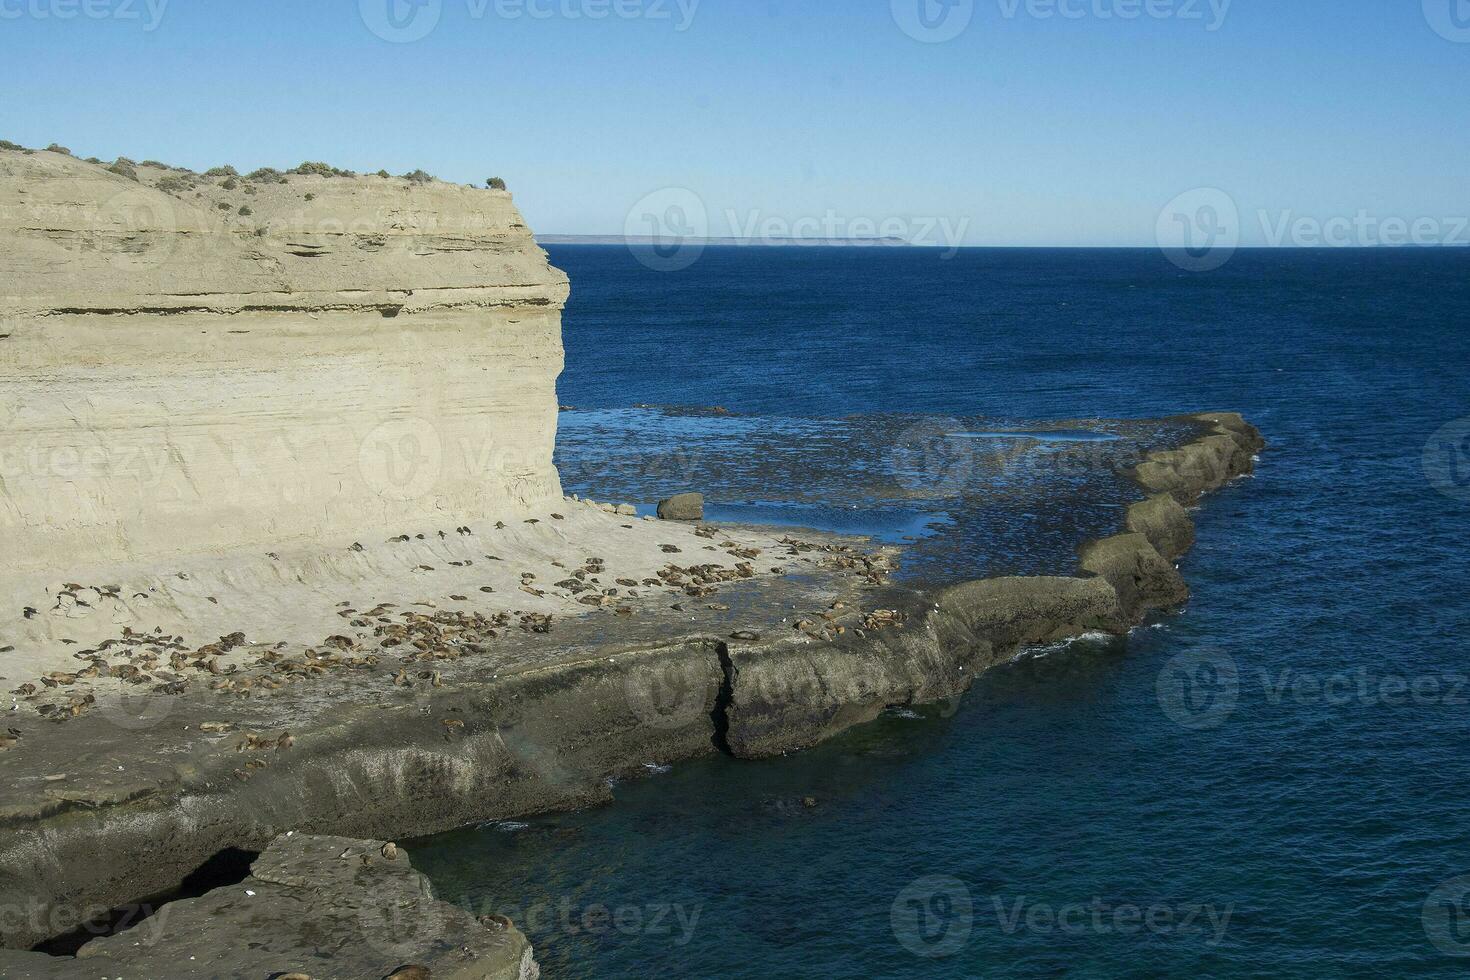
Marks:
<point>82,236</point>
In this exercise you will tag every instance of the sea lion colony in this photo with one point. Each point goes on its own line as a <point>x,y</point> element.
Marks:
<point>406,641</point>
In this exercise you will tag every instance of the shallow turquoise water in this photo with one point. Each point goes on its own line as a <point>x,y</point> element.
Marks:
<point>1272,783</point>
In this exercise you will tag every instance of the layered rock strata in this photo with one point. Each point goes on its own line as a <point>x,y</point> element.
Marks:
<point>299,358</point>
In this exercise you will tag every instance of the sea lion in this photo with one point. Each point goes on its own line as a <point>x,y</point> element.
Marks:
<point>411,972</point>
<point>499,923</point>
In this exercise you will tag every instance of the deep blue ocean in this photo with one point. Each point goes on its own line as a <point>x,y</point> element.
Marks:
<point>1273,783</point>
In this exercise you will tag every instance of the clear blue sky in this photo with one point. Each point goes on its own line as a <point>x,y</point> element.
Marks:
<point>1033,129</point>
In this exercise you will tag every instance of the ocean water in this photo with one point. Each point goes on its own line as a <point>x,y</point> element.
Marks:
<point>1273,783</point>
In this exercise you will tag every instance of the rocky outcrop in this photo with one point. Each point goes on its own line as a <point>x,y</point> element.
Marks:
<point>314,906</point>
<point>242,362</point>
<point>789,696</point>
<point>682,507</point>
<point>1164,522</point>
<point>794,695</point>
<point>1142,578</point>
<point>1224,452</point>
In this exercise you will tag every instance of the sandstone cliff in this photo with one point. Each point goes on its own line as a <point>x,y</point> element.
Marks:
<point>192,364</point>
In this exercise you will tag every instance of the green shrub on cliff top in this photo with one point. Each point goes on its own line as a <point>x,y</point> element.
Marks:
<point>58,148</point>
<point>225,171</point>
<point>124,168</point>
<point>7,145</point>
<point>495,184</point>
<point>321,170</point>
<point>418,177</point>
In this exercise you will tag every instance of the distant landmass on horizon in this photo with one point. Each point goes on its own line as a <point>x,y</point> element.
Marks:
<point>650,240</point>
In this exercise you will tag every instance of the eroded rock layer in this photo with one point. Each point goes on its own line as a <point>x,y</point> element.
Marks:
<point>241,362</point>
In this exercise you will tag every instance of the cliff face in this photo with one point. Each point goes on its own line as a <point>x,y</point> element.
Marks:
<point>225,363</point>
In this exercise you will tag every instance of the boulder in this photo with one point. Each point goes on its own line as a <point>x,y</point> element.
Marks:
<point>682,507</point>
